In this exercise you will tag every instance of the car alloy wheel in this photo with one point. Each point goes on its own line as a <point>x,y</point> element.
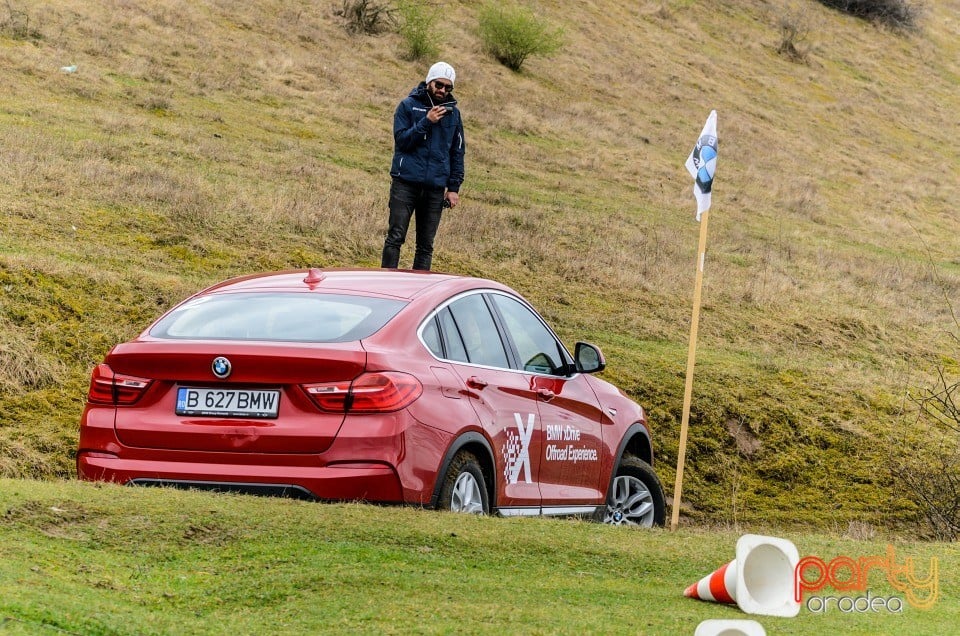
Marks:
<point>466,495</point>
<point>464,488</point>
<point>636,496</point>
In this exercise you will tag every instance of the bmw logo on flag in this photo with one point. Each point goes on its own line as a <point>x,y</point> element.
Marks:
<point>707,161</point>
<point>221,367</point>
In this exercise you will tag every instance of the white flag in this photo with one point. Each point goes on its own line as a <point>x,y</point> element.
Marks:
<point>702,163</point>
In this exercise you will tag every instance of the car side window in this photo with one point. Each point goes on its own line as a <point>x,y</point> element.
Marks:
<point>452,341</point>
<point>539,350</point>
<point>478,331</point>
<point>431,337</point>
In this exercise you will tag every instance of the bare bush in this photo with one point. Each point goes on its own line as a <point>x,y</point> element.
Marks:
<point>794,33</point>
<point>941,404</point>
<point>368,17</point>
<point>16,24</point>
<point>930,469</point>
<point>931,478</point>
<point>900,14</point>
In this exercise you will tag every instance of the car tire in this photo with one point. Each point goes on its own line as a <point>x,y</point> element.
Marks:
<point>464,488</point>
<point>636,496</point>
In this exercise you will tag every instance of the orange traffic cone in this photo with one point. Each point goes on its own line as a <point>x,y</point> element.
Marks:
<point>759,580</point>
<point>719,587</point>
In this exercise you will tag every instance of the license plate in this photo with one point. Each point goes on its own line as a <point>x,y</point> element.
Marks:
<point>262,404</point>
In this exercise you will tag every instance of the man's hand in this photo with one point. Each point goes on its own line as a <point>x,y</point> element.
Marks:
<point>453,198</point>
<point>436,113</point>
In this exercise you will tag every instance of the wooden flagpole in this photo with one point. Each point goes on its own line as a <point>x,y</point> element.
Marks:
<point>691,357</point>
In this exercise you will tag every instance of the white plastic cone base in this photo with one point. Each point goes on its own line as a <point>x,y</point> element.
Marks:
<point>765,571</point>
<point>716,627</point>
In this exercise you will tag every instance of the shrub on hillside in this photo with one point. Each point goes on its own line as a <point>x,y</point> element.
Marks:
<point>417,28</point>
<point>16,24</point>
<point>795,28</point>
<point>512,34</point>
<point>930,469</point>
<point>932,480</point>
<point>368,17</point>
<point>900,14</point>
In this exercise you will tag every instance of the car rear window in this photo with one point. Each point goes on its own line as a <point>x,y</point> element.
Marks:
<point>281,317</point>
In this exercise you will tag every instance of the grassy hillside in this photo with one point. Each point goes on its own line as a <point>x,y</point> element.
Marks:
<point>198,140</point>
<point>84,560</point>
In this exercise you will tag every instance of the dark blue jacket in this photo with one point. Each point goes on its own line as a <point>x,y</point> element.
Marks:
<point>424,153</point>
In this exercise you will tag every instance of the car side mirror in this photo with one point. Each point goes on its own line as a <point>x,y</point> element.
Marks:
<point>589,358</point>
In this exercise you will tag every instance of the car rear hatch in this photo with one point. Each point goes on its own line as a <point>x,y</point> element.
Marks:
<point>260,405</point>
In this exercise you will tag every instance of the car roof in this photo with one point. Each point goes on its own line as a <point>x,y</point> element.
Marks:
<point>387,283</point>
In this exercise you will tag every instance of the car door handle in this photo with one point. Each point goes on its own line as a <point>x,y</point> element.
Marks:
<point>476,383</point>
<point>546,394</point>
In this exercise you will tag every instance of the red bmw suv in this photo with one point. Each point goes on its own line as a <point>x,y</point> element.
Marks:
<point>385,386</point>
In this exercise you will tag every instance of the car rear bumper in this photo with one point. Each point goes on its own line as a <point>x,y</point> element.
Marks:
<point>343,482</point>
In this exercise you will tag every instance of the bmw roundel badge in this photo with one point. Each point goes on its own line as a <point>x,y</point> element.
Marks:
<point>221,367</point>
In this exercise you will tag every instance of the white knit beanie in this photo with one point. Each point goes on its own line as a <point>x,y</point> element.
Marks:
<point>441,70</point>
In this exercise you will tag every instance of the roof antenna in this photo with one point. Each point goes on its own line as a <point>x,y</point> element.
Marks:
<point>314,276</point>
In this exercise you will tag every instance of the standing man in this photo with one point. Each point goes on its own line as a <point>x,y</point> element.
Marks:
<point>427,167</point>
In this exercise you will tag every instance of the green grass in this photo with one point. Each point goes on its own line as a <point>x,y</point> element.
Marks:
<point>80,558</point>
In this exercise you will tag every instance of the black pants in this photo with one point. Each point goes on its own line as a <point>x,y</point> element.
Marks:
<point>406,200</point>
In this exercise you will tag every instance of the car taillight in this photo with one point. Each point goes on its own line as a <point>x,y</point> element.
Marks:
<point>381,392</point>
<point>107,387</point>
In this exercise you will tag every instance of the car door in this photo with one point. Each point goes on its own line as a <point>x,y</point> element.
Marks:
<point>503,399</point>
<point>570,415</point>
